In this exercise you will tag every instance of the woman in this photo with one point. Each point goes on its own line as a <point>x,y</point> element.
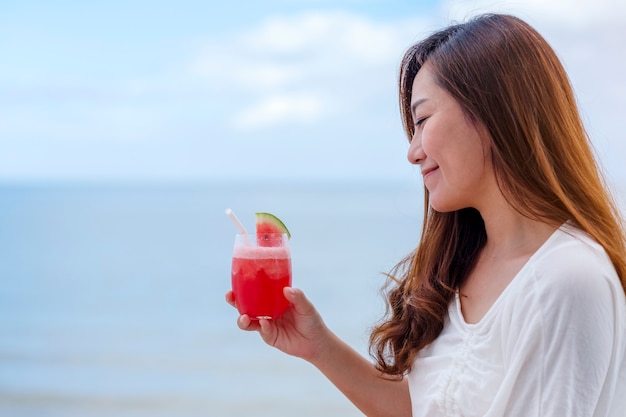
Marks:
<point>513,303</point>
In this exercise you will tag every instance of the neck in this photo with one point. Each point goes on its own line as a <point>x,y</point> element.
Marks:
<point>510,234</point>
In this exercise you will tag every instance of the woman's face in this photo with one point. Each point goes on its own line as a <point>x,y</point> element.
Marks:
<point>452,151</point>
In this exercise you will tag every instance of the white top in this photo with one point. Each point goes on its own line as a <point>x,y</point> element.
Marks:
<point>552,345</point>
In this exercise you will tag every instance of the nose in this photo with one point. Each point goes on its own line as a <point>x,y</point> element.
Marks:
<point>416,154</point>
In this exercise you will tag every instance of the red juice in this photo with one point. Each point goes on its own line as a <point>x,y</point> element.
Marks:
<point>259,275</point>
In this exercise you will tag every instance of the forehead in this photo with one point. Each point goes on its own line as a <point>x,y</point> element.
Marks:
<point>424,85</point>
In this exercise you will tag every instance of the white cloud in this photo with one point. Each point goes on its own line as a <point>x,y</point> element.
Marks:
<point>286,50</point>
<point>281,109</point>
<point>224,68</point>
<point>322,34</point>
<point>340,67</point>
<point>286,60</point>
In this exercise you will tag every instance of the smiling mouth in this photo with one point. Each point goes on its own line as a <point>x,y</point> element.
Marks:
<point>428,171</point>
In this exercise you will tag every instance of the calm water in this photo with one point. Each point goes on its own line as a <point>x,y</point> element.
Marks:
<point>111,301</point>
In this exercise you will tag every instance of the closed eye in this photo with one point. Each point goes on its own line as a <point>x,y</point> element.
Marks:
<point>421,121</point>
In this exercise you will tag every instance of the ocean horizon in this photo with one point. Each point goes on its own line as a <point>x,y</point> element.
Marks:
<point>112,300</point>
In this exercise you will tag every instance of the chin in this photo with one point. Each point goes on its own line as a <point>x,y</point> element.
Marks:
<point>442,210</point>
<point>445,206</point>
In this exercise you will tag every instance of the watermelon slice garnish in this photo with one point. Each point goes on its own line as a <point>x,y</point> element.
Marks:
<point>269,230</point>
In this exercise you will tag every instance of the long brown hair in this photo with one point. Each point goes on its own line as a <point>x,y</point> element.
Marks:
<point>506,76</point>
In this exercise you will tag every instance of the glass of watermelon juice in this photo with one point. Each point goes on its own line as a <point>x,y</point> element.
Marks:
<point>261,268</point>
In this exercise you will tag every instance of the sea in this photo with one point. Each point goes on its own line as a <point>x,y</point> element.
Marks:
<point>112,295</point>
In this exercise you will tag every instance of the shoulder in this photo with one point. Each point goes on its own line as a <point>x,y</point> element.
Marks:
<point>569,290</point>
<point>571,281</point>
<point>571,261</point>
<point>566,333</point>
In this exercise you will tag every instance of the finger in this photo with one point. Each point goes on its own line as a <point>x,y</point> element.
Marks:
<point>301,304</point>
<point>230,298</point>
<point>268,331</point>
<point>265,326</point>
<point>246,323</point>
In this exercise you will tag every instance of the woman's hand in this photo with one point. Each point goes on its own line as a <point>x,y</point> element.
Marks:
<point>299,332</point>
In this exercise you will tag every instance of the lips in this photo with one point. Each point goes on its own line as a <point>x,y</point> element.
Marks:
<point>426,171</point>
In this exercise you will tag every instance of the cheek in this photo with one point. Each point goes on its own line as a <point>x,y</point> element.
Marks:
<point>468,168</point>
<point>437,142</point>
<point>429,141</point>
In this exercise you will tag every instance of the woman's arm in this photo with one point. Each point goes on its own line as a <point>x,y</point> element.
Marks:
<point>373,393</point>
<point>301,332</point>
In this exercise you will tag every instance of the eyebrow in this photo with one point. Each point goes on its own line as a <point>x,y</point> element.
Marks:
<point>417,103</point>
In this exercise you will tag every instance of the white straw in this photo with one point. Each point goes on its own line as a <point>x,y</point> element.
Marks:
<point>235,220</point>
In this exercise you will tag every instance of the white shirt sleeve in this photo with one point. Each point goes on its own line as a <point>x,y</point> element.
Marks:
<point>565,342</point>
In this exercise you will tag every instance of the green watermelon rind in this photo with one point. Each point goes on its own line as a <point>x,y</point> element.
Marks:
<point>264,218</point>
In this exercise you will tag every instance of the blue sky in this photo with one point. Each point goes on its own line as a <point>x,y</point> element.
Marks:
<point>296,89</point>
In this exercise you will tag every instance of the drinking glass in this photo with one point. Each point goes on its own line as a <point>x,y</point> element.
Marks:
<point>260,270</point>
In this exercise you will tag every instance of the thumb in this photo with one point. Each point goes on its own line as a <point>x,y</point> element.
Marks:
<point>301,304</point>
